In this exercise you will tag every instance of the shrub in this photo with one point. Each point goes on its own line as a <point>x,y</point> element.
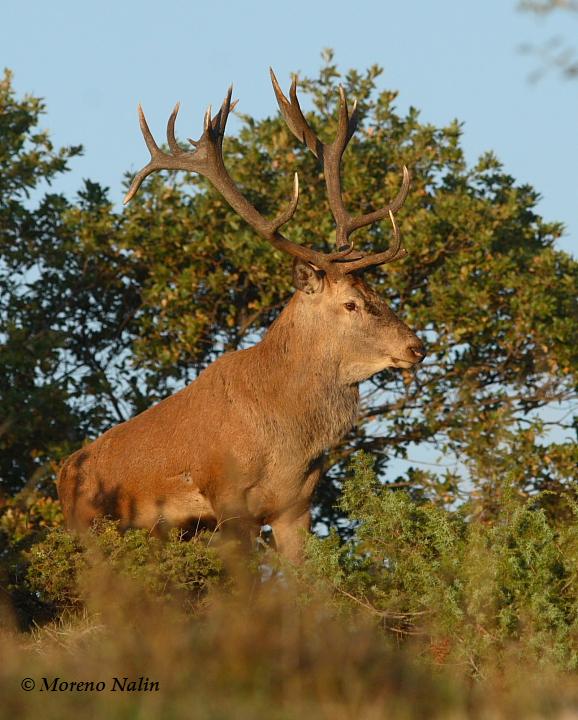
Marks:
<point>46,568</point>
<point>475,588</point>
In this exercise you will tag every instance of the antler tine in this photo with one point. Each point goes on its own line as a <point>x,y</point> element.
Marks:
<point>352,121</point>
<point>219,122</point>
<point>216,123</point>
<point>285,215</point>
<point>171,140</point>
<point>207,120</point>
<point>147,134</point>
<point>342,136</point>
<point>137,182</point>
<point>155,151</point>
<point>332,155</point>
<point>293,116</point>
<point>382,213</point>
<point>394,252</point>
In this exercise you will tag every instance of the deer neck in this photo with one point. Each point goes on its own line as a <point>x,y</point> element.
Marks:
<point>296,343</point>
<point>302,379</point>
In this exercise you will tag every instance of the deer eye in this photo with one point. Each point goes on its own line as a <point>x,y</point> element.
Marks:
<point>351,306</point>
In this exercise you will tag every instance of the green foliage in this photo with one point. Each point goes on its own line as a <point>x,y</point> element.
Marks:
<point>481,590</point>
<point>65,297</point>
<point>47,570</point>
<point>52,569</point>
<point>24,522</point>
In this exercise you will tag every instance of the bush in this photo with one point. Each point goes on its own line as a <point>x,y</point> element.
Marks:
<point>474,590</point>
<point>47,569</point>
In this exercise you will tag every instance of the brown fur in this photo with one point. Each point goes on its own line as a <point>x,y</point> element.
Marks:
<point>242,445</point>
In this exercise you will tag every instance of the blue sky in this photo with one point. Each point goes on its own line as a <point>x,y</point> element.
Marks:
<point>93,61</point>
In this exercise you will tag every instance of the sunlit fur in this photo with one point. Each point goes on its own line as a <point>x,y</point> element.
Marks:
<point>242,445</point>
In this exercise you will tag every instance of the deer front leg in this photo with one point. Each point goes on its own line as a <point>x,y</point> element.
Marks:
<point>290,531</point>
<point>291,526</point>
<point>237,526</point>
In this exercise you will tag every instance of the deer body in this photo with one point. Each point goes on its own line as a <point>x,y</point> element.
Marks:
<point>242,445</point>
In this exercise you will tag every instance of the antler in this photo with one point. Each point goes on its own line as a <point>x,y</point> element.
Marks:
<point>330,155</point>
<point>207,160</point>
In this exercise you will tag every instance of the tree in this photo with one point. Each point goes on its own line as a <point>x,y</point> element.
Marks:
<point>65,297</point>
<point>134,304</point>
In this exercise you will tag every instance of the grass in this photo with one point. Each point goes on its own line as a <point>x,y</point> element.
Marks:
<point>276,649</point>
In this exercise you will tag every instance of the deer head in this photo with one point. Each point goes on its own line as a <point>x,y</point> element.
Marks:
<point>331,293</point>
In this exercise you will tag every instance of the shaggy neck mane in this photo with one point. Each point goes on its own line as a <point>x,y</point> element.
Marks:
<point>298,372</point>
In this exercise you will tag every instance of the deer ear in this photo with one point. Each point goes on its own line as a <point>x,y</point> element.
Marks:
<point>306,278</point>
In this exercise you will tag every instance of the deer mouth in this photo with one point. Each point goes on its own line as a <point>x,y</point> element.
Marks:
<point>417,357</point>
<point>413,356</point>
<point>403,364</point>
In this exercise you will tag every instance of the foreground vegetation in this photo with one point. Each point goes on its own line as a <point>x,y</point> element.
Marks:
<point>423,612</point>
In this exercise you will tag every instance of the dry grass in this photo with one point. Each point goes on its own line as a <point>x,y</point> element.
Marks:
<point>275,650</point>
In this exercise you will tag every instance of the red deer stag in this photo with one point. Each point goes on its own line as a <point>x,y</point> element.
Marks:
<point>242,445</point>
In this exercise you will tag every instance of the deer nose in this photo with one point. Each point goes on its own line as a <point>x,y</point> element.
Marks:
<point>417,350</point>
